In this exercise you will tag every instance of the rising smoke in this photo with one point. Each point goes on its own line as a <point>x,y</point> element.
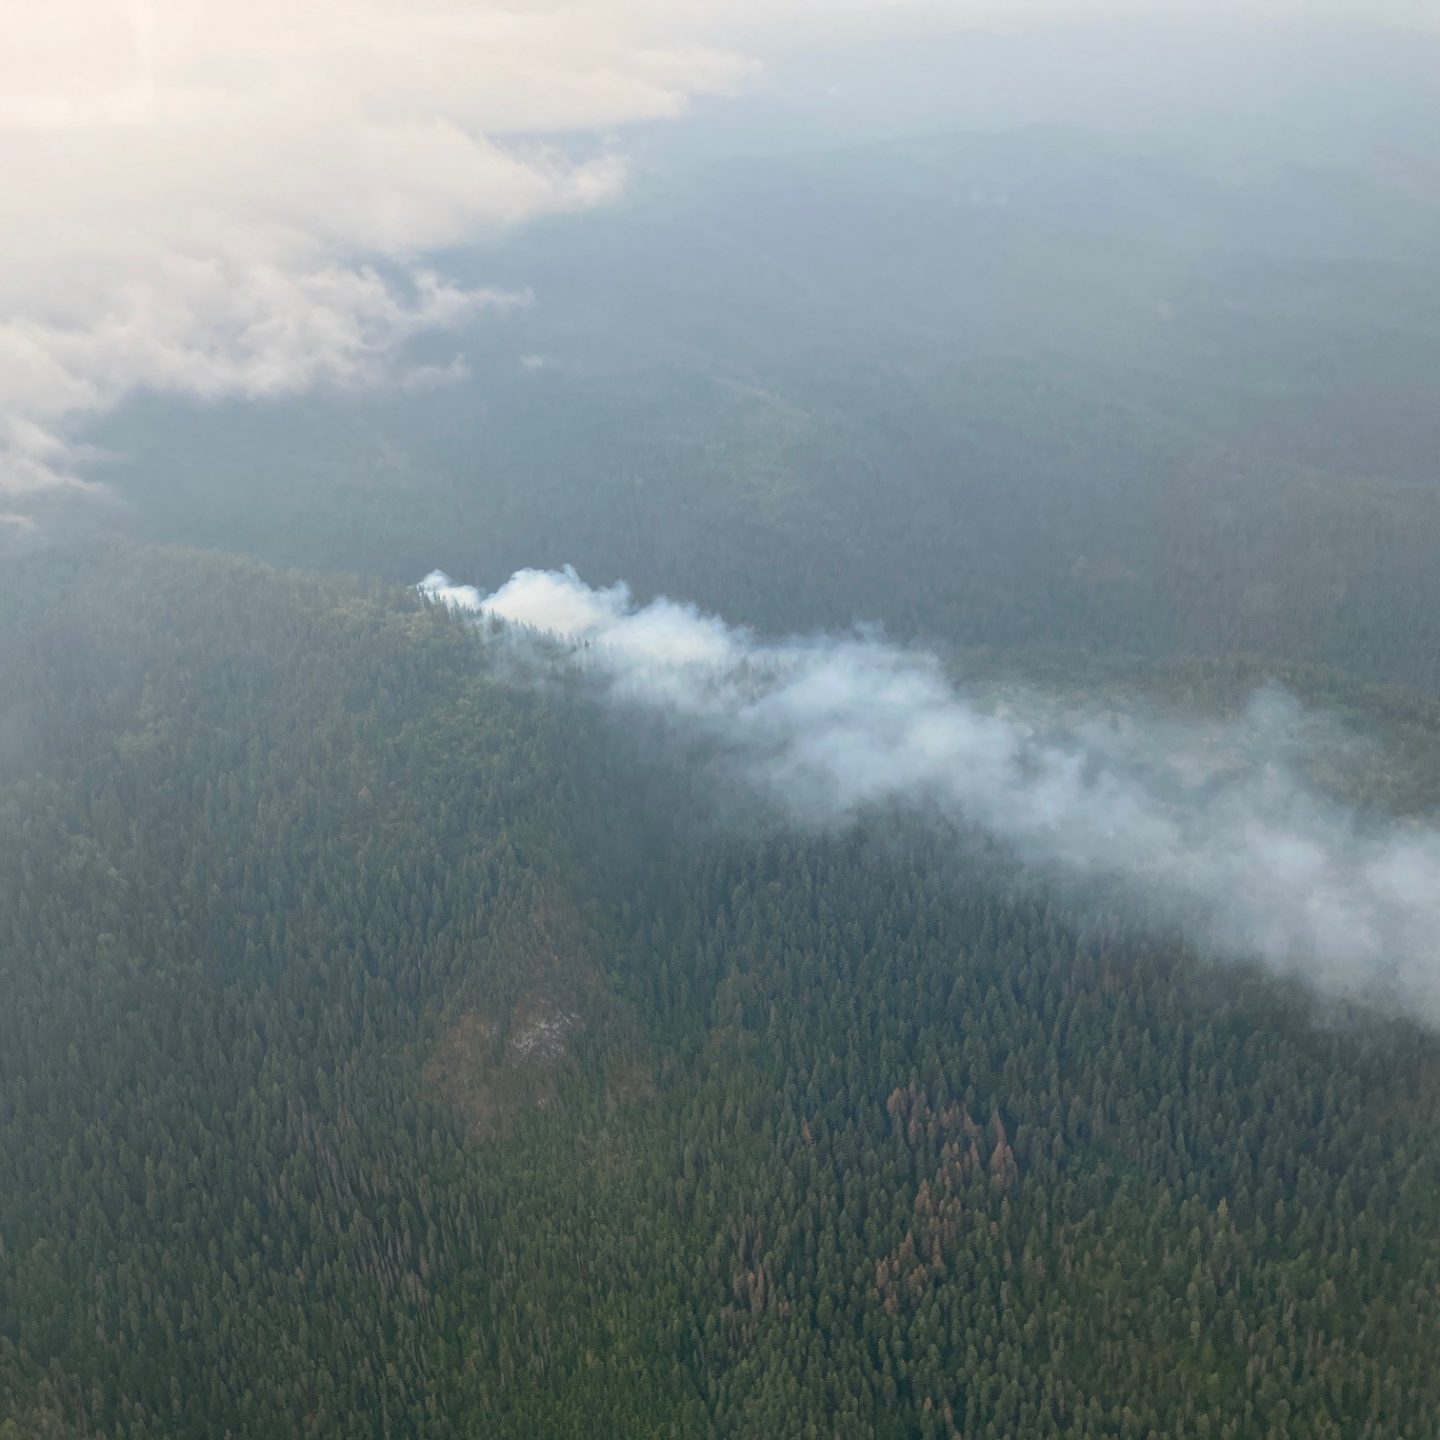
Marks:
<point>1215,825</point>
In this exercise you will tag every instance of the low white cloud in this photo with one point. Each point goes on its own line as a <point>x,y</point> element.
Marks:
<point>219,199</point>
<point>1212,828</point>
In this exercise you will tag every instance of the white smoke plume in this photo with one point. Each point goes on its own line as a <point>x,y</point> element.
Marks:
<point>1213,825</point>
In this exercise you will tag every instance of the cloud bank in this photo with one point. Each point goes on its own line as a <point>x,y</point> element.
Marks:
<point>1214,829</point>
<point>219,199</point>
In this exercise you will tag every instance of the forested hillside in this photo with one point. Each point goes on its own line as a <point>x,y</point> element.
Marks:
<point>393,1048</point>
<point>719,721</point>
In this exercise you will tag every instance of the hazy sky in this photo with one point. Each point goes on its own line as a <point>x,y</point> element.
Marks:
<point>212,198</point>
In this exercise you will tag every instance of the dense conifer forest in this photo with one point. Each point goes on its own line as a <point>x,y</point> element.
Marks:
<point>400,1037</point>
<point>392,1048</point>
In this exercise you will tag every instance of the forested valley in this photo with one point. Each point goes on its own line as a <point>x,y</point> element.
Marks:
<point>396,1047</point>
<point>403,1036</point>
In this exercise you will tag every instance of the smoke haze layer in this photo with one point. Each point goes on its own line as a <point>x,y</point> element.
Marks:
<point>1212,825</point>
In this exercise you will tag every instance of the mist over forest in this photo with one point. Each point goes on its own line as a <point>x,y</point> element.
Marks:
<point>719,720</point>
